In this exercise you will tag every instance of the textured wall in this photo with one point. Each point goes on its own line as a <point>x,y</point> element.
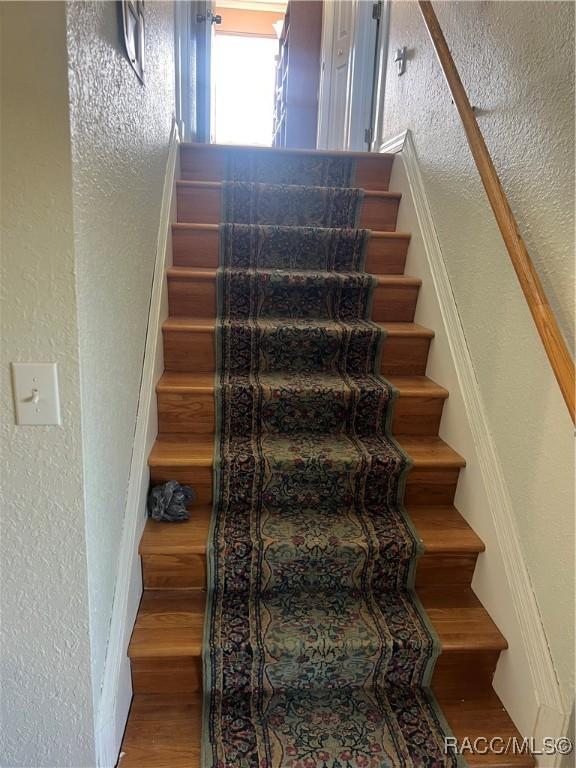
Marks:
<point>516,61</point>
<point>120,132</point>
<point>47,718</point>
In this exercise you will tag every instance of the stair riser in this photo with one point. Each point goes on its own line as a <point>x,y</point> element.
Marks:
<point>456,673</point>
<point>193,414</point>
<point>166,675</point>
<point>194,351</point>
<point>424,486</point>
<point>189,571</point>
<point>202,205</point>
<point>464,674</point>
<point>197,298</point>
<point>200,248</point>
<point>174,571</point>
<point>198,164</point>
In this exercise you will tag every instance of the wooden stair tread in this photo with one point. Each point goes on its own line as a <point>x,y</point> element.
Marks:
<point>209,162</point>
<point>198,245</point>
<point>164,731</point>
<point>186,404</point>
<point>194,289</point>
<point>375,233</point>
<point>442,530</point>
<point>186,537</point>
<point>460,619</point>
<point>474,717</point>
<point>170,622</point>
<point>200,201</point>
<point>187,381</point>
<point>425,452</point>
<point>417,386</point>
<point>207,325</point>
<point>209,275</point>
<point>428,452</point>
<point>191,145</point>
<point>187,184</point>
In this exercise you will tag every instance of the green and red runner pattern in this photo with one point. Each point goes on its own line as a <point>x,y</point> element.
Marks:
<point>317,651</point>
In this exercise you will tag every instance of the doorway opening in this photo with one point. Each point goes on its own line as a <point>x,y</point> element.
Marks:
<point>298,74</point>
<point>244,76</point>
<point>244,62</point>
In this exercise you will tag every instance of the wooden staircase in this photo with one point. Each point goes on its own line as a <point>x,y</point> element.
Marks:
<point>166,646</point>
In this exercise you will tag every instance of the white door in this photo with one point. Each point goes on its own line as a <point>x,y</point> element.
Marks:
<point>348,74</point>
<point>337,38</point>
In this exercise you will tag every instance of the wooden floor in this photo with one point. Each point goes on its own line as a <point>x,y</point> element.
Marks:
<point>163,729</point>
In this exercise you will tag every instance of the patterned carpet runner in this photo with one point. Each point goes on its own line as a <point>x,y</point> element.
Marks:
<point>317,652</point>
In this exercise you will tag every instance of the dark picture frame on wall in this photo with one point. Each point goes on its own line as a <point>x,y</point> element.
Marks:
<point>133,25</point>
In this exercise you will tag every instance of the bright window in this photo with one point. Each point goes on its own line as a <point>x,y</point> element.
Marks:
<point>244,72</point>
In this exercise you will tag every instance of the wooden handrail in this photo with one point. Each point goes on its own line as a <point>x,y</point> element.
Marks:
<point>546,323</point>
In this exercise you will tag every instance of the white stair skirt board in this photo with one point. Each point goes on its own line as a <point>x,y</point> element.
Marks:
<point>117,682</point>
<point>525,677</point>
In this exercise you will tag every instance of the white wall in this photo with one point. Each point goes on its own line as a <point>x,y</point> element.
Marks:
<point>120,133</point>
<point>47,717</point>
<point>516,61</point>
<point>84,150</point>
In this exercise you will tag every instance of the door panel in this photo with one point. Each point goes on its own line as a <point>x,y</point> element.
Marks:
<point>337,129</point>
<point>340,64</point>
<point>349,72</point>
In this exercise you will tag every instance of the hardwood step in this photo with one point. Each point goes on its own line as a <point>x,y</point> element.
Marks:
<point>431,481</point>
<point>166,644</point>
<point>186,404</point>
<point>478,716</point>
<point>192,291</point>
<point>208,162</point>
<point>200,202</point>
<point>164,731</point>
<point>174,556</point>
<point>197,245</point>
<point>189,346</point>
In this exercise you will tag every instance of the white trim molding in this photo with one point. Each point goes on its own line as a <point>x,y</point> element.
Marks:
<point>396,144</point>
<point>116,693</point>
<point>525,679</point>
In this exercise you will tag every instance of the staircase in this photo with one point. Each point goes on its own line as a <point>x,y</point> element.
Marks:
<point>166,646</point>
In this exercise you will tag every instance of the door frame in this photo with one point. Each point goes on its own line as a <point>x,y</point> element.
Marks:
<point>380,70</point>
<point>192,64</point>
<point>182,35</point>
<point>325,73</point>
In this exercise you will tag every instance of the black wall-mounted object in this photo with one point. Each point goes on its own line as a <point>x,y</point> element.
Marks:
<point>133,24</point>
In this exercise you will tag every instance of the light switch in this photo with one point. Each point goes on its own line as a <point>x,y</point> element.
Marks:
<point>36,396</point>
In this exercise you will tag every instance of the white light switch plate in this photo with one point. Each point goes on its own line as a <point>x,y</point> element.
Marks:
<point>36,396</point>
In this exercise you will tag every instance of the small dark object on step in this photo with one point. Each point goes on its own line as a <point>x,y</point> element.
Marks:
<point>168,502</point>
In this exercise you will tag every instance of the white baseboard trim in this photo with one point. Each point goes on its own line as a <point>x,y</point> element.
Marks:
<point>550,719</point>
<point>116,693</point>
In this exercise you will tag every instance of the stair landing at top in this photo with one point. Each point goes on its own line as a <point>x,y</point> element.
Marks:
<point>207,162</point>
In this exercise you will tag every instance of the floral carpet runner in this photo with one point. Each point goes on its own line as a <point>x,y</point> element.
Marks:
<point>317,652</point>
